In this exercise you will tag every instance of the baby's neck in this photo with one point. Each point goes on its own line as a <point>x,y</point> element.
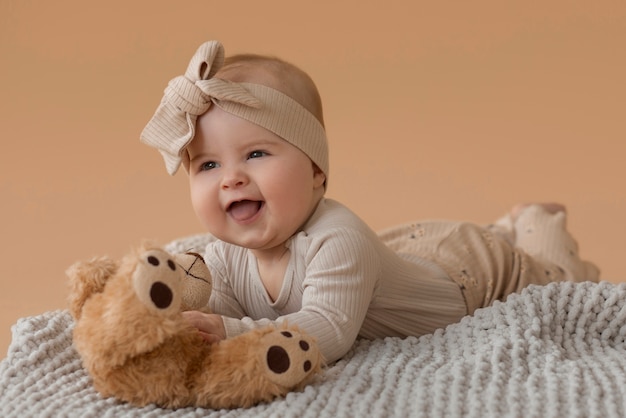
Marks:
<point>272,267</point>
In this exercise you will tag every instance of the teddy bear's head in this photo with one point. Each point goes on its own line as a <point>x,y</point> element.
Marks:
<point>145,292</point>
<point>188,271</point>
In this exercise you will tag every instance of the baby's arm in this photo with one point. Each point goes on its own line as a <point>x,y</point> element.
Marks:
<point>337,286</point>
<point>210,325</point>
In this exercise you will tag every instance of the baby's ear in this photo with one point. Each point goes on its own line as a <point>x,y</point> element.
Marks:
<point>319,178</point>
<point>87,278</point>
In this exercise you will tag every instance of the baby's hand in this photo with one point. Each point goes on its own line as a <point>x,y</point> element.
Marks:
<point>211,326</point>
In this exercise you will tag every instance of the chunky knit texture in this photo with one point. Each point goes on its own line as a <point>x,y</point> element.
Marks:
<point>553,351</point>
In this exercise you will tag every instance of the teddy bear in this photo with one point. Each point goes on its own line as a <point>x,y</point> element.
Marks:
<point>138,348</point>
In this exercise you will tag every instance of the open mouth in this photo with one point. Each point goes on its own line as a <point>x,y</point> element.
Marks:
<point>244,210</point>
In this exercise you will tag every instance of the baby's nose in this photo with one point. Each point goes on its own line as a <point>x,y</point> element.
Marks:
<point>234,178</point>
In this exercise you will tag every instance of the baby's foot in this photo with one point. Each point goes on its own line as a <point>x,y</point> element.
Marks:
<point>505,227</point>
<point>550,207</point>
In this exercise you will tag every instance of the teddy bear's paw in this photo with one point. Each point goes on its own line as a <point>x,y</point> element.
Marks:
<point>290,358</point>
<point>157,281</point>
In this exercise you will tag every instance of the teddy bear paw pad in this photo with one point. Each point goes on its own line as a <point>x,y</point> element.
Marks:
<point>157,281</point>
<point>290,357</point>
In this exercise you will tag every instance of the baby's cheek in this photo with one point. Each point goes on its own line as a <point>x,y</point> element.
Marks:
<point>204,205</point>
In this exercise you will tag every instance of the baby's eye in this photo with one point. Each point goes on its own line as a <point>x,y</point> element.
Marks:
<point>209,165</point>
<point>257,154</point>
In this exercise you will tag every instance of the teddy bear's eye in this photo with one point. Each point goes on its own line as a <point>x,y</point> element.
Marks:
<point>153,260</point>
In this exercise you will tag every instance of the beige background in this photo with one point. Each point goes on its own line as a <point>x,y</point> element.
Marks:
<point>444,109</point>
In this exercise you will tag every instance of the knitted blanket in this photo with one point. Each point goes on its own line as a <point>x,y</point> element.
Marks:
<point>553,351</point>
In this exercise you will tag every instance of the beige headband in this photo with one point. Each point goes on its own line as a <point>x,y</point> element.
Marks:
<point>186,97</point>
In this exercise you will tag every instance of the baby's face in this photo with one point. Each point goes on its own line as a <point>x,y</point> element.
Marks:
<point>248,186</point>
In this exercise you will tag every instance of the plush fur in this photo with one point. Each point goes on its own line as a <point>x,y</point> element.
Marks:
<point>138,348</point>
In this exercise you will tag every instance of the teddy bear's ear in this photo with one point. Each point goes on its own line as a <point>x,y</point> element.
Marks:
<point>87,278</point>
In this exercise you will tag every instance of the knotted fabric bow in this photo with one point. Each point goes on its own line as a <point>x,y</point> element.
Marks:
<point>188,96</point>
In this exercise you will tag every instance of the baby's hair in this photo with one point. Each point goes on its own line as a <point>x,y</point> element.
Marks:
<point>276,73</point>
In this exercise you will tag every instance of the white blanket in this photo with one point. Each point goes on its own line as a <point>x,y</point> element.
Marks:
<point>554,351</point>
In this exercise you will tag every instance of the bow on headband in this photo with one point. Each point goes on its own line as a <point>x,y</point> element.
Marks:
<point>186,97</point>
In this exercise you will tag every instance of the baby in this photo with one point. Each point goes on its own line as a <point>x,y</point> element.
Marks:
<point>249,131</point>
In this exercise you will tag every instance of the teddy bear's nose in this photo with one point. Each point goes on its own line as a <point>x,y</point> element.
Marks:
<point>161,295</point>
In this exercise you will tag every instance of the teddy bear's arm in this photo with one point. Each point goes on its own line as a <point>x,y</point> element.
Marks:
<point>257,366</point>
